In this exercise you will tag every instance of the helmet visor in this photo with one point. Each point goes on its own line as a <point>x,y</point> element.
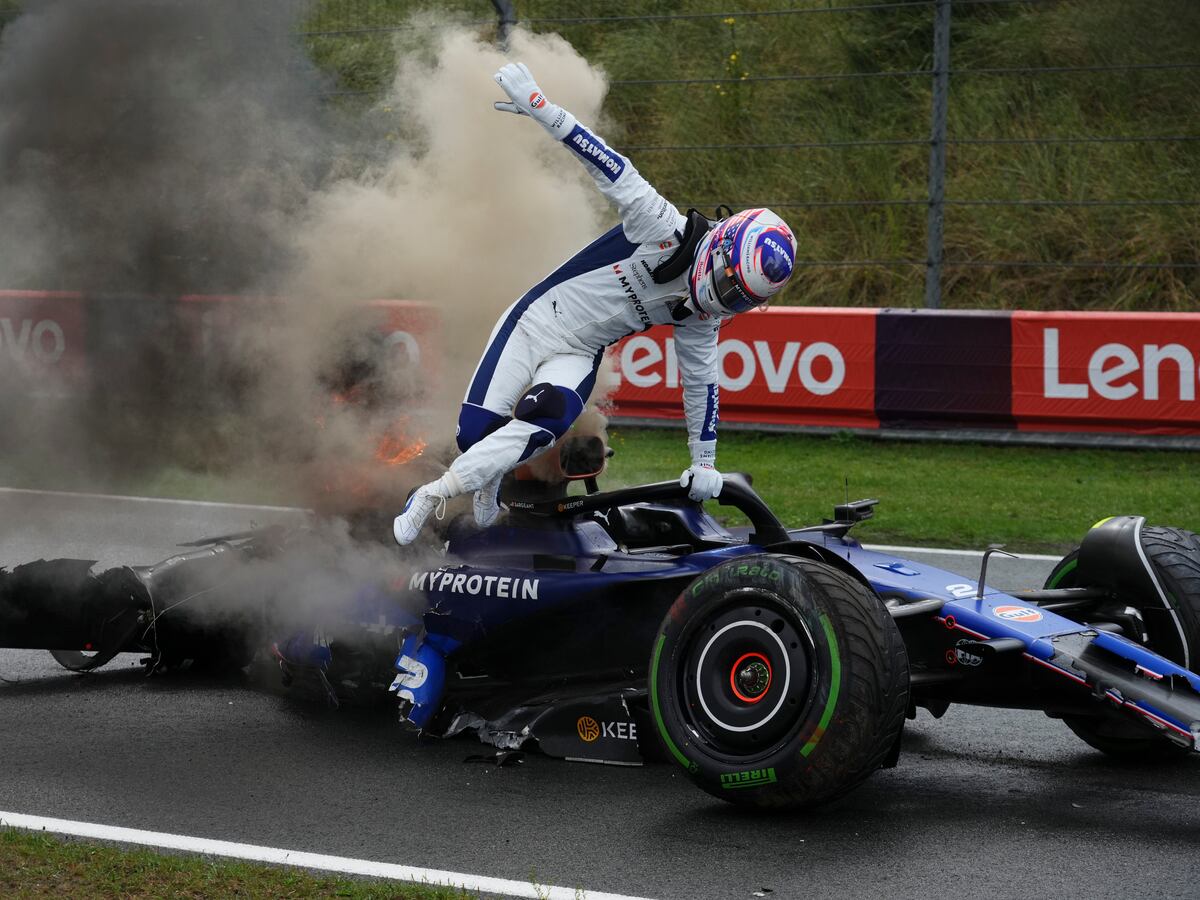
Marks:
<point>731,295</point>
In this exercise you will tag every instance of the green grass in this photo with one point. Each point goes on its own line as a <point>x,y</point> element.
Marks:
<point>356,43</point>
<point>35,865</point>
<point>953,495</point>
<point>737,110</point>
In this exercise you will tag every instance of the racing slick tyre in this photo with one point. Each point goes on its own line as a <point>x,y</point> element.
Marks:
<point>777,681</point>
<point>1175,555</point>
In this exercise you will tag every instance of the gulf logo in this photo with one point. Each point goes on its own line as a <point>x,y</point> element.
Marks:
<point>536,100</point>
<point>1017,614</point>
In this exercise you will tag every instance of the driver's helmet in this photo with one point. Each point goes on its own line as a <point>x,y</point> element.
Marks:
<point>743,261</point>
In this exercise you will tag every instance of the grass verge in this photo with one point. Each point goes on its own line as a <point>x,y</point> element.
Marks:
<point>952,495</point>
<point>704,101</point>
<point>949,495</point>
<point>36,865</point>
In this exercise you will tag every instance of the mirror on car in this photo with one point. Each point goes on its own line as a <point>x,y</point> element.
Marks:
<point>583,456</point>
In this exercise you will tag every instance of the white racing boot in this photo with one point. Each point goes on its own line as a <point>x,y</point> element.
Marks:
<point>487,503</point>
<point>424,500</point>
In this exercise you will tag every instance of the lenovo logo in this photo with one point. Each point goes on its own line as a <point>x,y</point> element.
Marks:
<point>1117,371</point>
<point>818,368</point>
<point>24,340</point>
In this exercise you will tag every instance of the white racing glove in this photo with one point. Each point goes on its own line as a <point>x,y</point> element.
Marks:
<point>702,476</point>
<point>527,99</point>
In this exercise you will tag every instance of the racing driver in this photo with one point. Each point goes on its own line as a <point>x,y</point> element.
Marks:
<point>658,267</point>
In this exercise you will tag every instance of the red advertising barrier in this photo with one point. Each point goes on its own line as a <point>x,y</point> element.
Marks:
<point>913,369</point>
<point>792,366</point>
<point>50,341</point>
<point>1130,372</point>
<point>43,335</point>
<point>843,368</point>
<point>408,330</point>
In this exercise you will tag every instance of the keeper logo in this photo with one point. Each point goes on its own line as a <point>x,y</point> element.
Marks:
<point>588,728</point>
<point>591,731</point>
<point>619,731</point>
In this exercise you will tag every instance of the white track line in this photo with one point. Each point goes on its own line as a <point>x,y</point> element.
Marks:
<point>945,551</point>
<point>127,499</point>
<point>343,864</point>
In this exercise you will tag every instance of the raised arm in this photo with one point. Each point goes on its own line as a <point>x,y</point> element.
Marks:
<point>645,214</point>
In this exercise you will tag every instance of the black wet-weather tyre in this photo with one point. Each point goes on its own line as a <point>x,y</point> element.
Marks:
<point>1175,555</point>
<point>777,681</point>
<point>1064,574</point>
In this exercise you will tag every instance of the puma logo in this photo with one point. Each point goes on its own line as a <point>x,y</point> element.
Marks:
<point>532,398</point>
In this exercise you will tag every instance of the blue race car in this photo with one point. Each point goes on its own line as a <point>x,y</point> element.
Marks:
<point>777,666</point>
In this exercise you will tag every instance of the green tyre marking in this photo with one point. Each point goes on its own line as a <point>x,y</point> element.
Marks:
<point>658,719</point>
<point>1063,573</point>
<point>750,779</point>
<point>835,687</point>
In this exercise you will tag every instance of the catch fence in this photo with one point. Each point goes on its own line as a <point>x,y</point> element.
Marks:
<point>944,153</point>
<point>1146,256</point>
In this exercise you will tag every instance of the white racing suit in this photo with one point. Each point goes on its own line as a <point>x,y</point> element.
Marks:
<point>540,363</point>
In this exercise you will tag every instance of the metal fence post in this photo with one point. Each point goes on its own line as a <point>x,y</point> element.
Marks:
<point>508,18</point>
<point>937,154</point>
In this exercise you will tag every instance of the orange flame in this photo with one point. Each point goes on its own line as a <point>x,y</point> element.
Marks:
<point>395,448</point>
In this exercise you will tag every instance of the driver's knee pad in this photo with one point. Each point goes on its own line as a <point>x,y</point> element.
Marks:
<point>475,423</point>
<point>549,407</point>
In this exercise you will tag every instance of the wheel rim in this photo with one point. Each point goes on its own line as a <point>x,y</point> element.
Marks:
<point>748,674</point>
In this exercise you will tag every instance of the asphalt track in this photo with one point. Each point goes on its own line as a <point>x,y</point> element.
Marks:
<point>984,803</point>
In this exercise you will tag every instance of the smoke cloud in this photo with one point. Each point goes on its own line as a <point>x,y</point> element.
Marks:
<point>152,145</point>
<point>474,207</point>
<point>466,212</point>
<point>165,147</point>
